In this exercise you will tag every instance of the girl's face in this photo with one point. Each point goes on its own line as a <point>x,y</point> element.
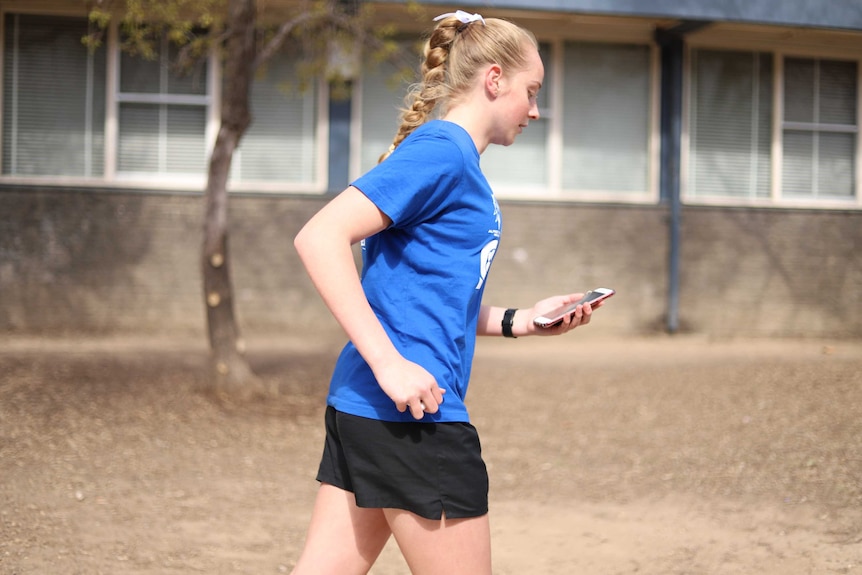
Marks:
<point>516,101</point>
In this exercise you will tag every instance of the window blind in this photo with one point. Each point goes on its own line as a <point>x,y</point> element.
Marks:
<point>731,124</point>
<point>522,168</point>
<point>509,169</point>
<point>607,117</point>
<point>53,98</point>
<point>281,142</point>
<point>382,98</point>
<point>161,139</point>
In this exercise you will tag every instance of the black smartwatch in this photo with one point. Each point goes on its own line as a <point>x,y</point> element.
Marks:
<point>508,321</point>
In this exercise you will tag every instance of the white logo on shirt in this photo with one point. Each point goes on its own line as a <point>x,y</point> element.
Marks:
<point>497,217</point>
<point>485,260</point>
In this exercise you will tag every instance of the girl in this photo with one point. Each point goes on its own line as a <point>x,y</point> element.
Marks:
<point>400,456</point>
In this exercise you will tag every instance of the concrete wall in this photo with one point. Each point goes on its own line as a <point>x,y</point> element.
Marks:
<point>772,272</point>
<point>106,262</point>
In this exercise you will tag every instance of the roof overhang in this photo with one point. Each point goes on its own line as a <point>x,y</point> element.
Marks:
<point>839,14</point>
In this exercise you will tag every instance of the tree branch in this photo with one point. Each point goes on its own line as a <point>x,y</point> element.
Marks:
<point>277,41</point>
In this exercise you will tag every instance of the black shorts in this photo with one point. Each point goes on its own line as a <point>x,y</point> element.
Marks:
<point>425,468</point>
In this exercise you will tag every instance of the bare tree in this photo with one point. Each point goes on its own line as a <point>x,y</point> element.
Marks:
<point>246,44</point>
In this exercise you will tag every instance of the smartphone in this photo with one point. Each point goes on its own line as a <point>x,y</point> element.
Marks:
<point>556,316</point>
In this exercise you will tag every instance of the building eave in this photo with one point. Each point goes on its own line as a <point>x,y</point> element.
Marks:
<point>838,14</point>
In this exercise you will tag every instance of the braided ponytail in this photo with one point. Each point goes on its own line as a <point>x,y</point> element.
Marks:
<point>451,58</point>
<point>422,98</point>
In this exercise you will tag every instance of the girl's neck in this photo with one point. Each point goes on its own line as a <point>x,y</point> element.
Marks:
<point>473,121</point>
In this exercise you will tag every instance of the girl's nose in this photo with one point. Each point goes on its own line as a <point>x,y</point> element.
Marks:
<point>534,112</point>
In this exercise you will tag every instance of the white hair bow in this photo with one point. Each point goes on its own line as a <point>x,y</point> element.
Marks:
<point>464,17</point>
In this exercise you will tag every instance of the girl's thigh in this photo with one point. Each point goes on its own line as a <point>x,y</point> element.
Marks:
<point>342,539</point>
<point>444,546</point>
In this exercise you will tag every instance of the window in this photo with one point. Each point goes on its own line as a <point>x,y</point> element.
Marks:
<point>731,125</point>
<point>820,128</point>
<point>53,99</point>
<point>593,138</point>
<point>282,144</point>
<point>606,119</point>
<point>733,139</point>
<point>382,99</point>
<point>162,116</point>
<point>379,102</point>
<point>67,115</point>
<point>522,170</point>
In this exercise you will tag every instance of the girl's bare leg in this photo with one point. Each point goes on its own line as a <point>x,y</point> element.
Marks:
<point>444,547</point>
<point>342,539</point>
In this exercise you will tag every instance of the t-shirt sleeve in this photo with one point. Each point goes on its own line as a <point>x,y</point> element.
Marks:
<point>416,181</point>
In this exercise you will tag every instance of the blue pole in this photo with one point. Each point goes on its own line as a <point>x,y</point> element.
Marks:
<point>672,45</point>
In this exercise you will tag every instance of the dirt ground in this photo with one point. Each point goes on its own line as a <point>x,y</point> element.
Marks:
<point>665,455</point>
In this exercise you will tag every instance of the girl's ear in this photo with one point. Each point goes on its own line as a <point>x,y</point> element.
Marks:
<point>493,74</point>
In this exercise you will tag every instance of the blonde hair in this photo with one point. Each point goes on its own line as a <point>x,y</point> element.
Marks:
<point>453,54</point>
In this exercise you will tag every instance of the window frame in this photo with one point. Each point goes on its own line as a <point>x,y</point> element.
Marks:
<point>740,41</point>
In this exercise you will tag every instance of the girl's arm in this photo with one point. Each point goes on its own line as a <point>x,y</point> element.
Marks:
<point>491,317</point>
<point>325,245</point>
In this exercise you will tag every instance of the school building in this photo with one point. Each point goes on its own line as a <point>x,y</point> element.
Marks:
<point>701,157</point>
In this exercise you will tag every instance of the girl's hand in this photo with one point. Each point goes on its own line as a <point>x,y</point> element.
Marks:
<point>409,386</point>
<point>581,315</point>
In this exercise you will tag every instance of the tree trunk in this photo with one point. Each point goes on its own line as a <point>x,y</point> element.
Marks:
<point>230,370</point>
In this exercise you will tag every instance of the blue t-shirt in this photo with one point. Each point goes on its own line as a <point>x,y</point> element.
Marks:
<point>425,274</point>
